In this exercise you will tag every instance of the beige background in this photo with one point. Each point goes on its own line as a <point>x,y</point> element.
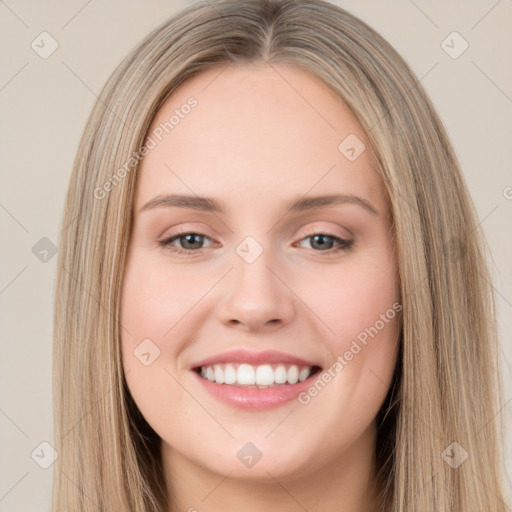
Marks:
<point>45,103</point>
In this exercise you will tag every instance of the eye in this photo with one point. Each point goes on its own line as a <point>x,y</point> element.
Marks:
<point>191,240</point>
<point>324,242</point>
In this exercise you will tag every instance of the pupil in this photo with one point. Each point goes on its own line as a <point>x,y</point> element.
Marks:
<point>322,237</point>
<point>192,236</point>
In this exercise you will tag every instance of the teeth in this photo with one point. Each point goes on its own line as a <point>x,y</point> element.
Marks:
<point>280,375</point>
<point>229,374</point>
<point>304,374</point>
<point>219,374</point>
<point>264,375</point>
<point>293,375</point>
<point>245,375</point>
<point>255,376</point>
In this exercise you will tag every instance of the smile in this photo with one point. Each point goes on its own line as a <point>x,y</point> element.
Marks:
<point>261,376</point>
<point>255,380</point>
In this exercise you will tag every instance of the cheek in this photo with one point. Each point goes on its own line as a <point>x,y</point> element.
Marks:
<point>361,318</point>
<point>154,302</point>
<point>159,313</point>
<point>352,300</point>
<point>149,310</point>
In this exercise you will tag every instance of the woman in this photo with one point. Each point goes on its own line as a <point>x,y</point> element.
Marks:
<point>210,351</point>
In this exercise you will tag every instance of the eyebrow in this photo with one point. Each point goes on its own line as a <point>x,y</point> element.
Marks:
<point>298,204</point>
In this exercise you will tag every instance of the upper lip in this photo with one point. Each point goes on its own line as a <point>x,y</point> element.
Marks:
<point>255,358</point>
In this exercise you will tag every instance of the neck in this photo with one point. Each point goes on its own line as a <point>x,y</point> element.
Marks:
<point>345,482</point>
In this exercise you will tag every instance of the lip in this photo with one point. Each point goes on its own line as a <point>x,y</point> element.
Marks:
<point>254,358</point>
<point>254,398</point>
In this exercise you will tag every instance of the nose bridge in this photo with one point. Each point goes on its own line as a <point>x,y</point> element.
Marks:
<point>252,275</point>
<point>256,297</point>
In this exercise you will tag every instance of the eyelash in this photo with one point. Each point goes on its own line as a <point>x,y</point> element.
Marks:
<point>344,245</point>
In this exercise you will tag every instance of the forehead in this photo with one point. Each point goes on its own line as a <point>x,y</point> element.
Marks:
<point>257,129</point>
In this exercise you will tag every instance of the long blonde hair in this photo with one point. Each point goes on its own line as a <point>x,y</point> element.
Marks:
<point>447,386</point>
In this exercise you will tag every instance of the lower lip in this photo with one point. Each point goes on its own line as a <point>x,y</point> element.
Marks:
<point>254,398</point>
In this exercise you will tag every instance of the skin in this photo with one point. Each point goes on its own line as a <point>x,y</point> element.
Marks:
<point>260,136</point>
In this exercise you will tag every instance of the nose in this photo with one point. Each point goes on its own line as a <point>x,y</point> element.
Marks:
<point>256,297</point>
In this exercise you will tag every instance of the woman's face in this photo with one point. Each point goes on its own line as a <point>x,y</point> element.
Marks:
<point>265,292</point>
